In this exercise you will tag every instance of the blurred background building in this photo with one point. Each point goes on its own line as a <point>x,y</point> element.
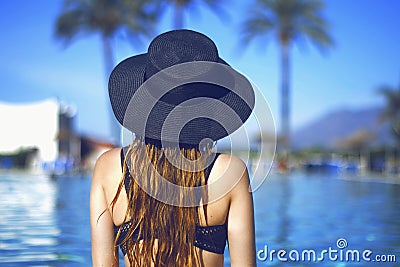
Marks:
<point>40,136</point>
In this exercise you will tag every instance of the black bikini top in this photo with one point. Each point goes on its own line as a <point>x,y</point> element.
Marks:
<point>211,238</point>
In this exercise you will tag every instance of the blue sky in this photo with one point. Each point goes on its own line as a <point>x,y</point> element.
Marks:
<point>35,66</point>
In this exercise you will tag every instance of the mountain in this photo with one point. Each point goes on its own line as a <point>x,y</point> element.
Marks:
<point>332,128</point>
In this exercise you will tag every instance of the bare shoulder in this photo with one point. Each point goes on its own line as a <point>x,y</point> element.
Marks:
<point>108,164</point>
<point>109,156</point>
<point>230,165</point>
<point>229,174</point>
<point>231,161</point>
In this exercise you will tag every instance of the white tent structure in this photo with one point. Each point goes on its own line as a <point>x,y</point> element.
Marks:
<point>32,125</point>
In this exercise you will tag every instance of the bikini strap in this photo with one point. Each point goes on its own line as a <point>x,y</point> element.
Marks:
<point>122,158</point>
<point>207,170</point>
<point>127,174</point>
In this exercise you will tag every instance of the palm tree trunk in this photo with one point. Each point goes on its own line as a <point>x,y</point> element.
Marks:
<point>115,128</point>
<point>108,55</point>
<point>178,19</point>
<point>285,101</point>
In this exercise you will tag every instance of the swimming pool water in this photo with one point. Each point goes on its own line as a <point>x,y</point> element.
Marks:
<point>45,222</point>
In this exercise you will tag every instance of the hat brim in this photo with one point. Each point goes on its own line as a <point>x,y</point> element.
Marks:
<point>131,109</point>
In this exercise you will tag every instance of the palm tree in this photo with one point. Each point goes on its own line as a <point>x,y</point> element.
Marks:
<point>108,18</point>
<point>288,21</point>
<point>181,5</point>
<point>391,112</point>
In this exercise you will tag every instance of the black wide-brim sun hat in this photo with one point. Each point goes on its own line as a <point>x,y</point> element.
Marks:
<point>180,91</point>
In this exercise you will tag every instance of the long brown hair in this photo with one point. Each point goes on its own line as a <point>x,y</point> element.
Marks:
<point>166,232</point>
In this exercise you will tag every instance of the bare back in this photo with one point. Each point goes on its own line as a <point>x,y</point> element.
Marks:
<point>228,187</point>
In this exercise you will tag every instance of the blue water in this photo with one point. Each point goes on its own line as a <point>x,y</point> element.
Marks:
<point>45,222</point>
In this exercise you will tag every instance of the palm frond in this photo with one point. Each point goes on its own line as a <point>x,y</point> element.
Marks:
<point>292,20</point>
<point>391,111</point>
<point>218,8</point>
<point>257,24</point>
<point>70,24</point>
<point>107,17</point>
